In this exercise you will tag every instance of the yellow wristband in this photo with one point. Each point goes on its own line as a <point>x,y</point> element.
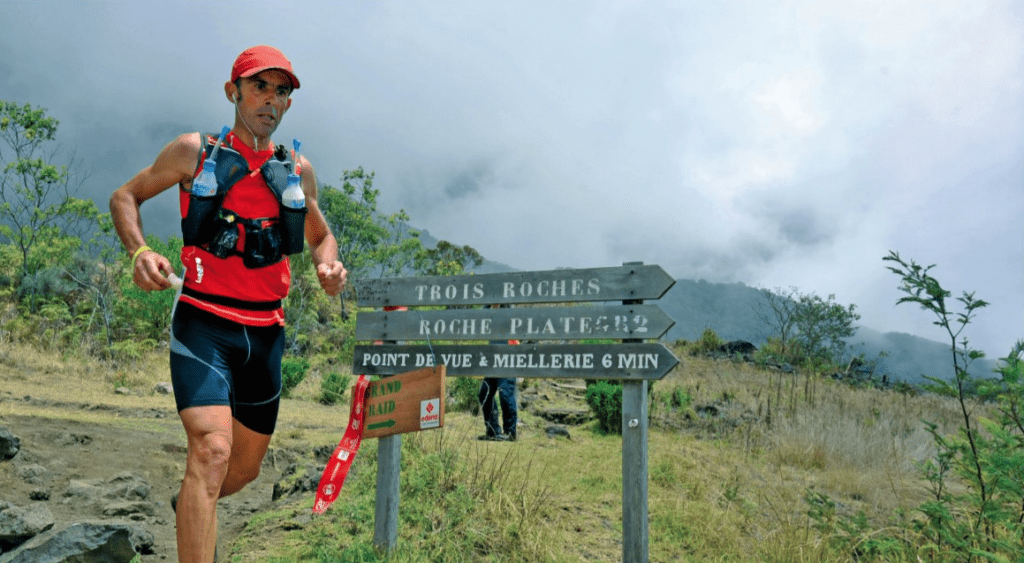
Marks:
<point>141,249</point>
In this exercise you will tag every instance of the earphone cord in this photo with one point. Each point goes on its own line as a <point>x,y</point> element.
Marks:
<point>238,112</point>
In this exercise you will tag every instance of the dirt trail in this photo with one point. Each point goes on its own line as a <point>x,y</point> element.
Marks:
<point>65,441</point>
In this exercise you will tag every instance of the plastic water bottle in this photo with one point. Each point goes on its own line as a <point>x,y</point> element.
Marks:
<point>293,195</point>
<point>205,185</point>
<point>293,209</point>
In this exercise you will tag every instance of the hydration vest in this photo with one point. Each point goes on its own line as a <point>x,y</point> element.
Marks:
<point>211,226</point>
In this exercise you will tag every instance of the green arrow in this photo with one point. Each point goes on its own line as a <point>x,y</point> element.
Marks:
<point>383,424</point>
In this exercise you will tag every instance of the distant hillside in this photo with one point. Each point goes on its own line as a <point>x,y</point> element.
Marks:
<point>729,309</point>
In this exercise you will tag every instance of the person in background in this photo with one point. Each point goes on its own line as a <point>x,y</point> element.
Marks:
<point>227,330</point>
<point>505,389</point>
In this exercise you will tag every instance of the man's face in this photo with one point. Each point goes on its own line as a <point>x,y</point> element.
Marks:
<point>263,99</point>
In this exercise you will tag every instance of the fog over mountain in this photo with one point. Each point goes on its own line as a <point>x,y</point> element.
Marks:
<point>773,144</point>
<point>731,311</point>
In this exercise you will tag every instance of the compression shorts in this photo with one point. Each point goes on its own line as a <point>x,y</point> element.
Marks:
<point>215,361</point>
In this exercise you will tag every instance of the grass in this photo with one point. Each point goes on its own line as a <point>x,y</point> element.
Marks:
<point>732,487</point>
<point>727,489</point>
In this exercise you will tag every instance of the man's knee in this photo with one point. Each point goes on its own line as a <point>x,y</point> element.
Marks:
<point>212,452</point>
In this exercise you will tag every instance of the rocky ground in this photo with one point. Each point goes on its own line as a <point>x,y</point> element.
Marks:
<point>123,470</point>
<point>98,461</point>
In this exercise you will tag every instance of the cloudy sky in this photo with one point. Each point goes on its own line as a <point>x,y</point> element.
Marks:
<point>776,144</point>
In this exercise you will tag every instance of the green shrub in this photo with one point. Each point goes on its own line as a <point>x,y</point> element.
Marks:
<point>605,400</point>
<point>709,341</point>
<point>681,398</point>
<point>464,394</point>
<point>333,387</point>
<point>293,371</point>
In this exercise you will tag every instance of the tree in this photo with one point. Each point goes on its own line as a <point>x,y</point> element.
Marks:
<point>810,330</point>
<point>37,206</point>
<point>822,327</point>
<point>399,248</point>
<point>367,242</point>
<point>448,259</point>
<point>778,310</point>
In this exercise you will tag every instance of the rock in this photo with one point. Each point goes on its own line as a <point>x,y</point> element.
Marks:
<point>32,473</point>
<point>88,542</point>
<point>72,439</point>
<point>39,494</point>
<point>570,416</point>
<point>738,347</point>
<point>297,480</point>
<point>124,486</point>
<point>19,524</point>
<point>135,510</point>
<point>10,444</point>
<point>163,388</point>
<point>556,430</point>
<point>123,496</point>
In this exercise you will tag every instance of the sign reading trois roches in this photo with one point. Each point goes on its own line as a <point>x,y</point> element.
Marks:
<point>485,312</point>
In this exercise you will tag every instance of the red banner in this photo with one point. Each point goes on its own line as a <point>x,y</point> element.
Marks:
<point>341,460</point>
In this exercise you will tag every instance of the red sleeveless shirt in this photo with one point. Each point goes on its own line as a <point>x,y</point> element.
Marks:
<point>237,293</point>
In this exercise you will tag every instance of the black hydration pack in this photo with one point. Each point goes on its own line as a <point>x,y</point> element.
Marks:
<point>210,226</point>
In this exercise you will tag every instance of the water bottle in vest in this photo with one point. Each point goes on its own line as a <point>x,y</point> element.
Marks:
<point>293,196</point>
<point>197,227</point>
<point>293,210</point>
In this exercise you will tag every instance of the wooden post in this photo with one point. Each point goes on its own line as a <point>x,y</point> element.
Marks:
<point>635,543</point>
<point>385,524</point>
<point>389,463</point>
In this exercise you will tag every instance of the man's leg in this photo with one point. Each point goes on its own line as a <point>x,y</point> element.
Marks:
<point>247,452</point>
<point>209,431</point>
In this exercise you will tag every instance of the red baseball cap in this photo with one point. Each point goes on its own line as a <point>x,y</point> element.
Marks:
<point>259,58</point>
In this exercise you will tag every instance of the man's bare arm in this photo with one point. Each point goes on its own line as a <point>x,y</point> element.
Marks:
<point>175,164</point>
<point>322,245</point>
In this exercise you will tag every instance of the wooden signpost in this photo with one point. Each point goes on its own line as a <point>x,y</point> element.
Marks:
<point>410,341</point>
<point>407,402</point>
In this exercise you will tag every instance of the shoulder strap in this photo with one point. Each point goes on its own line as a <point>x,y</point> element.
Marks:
<point>276,170</point>
<point>231,166</point>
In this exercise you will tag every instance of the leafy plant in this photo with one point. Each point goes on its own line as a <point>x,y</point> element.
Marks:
<point>986,521</point>
<point>447,259</point>
<point>333,387</point>
<point>605,401</point>
<point>367,241</point>
<point>709,341</point>
<point>293,372</point>
<point>681,398</point>
<point>463,394</point>
<point>39,215</point>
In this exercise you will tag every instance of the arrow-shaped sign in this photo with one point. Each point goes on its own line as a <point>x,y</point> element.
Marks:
<point>617,283</point>
<point>627,361</point>
<point>645,322</point>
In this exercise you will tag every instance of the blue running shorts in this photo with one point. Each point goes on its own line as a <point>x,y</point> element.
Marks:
<point>215,361</point>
